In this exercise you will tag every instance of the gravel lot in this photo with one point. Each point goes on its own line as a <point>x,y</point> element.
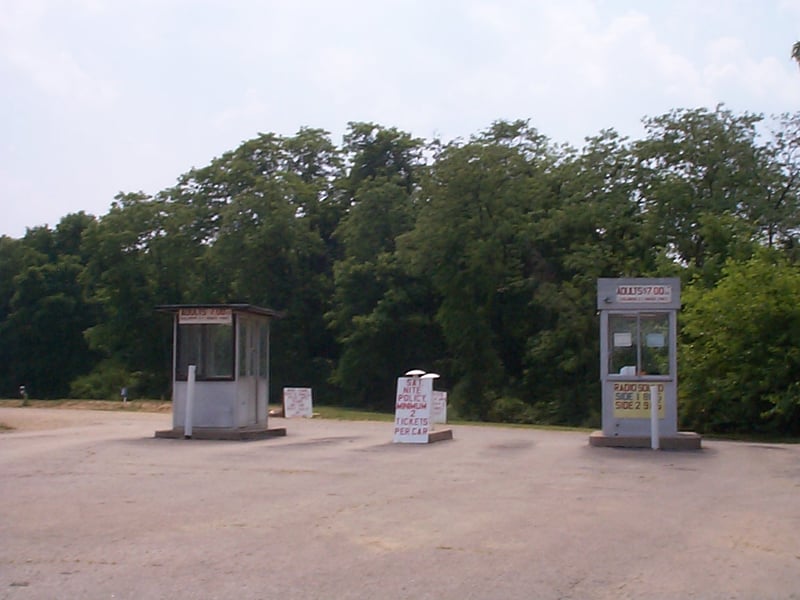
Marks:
<point>93,506</point>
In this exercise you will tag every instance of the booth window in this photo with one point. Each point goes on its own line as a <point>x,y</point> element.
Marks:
<point>639,344</point>
<point>208,346</point>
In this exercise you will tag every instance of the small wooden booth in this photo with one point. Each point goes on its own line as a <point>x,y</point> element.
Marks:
<point>220,371</point>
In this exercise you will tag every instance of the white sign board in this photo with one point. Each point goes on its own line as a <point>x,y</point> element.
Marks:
<point>297,402</point>
<point>650,294</point>
<point>439,407</point>
<point>205,316</point>
<point>412,410</point>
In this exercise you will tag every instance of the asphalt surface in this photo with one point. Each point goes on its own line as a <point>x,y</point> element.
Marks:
<point>93,506</point>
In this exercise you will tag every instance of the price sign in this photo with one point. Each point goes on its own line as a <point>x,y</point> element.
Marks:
<point>647,294</point>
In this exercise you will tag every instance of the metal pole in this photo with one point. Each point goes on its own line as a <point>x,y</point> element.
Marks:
<point>187,423</point>
<point>654,441</point>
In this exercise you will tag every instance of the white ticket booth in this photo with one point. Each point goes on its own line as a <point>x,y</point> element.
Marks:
<point>638,363</point>
<point>227,347</point>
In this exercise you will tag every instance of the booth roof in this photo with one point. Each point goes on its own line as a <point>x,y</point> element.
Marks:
<point>236,307</point>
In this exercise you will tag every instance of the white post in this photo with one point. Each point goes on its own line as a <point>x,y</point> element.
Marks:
<point>654,441</point>
<point>187,422</point>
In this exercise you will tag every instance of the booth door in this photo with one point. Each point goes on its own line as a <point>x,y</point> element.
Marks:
<point>248,379</point>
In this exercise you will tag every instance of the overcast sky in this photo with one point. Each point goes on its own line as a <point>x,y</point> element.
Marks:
<point>103,96</point>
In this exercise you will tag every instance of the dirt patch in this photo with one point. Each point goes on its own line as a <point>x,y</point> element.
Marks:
<point>335,510</point>
<point>65,413</point>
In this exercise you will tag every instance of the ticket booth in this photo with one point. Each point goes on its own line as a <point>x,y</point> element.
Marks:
<point>638,363</point>
<point>220,371</point>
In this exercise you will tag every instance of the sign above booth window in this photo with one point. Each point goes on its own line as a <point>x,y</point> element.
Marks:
<point>205,316</point>
<point>655,294</point>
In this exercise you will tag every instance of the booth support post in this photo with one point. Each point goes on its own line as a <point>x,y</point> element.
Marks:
<point>654,441</point>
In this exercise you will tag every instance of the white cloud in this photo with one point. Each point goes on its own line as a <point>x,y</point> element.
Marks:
<point>248,109</point>
<point>132,94</point>
<point>734,72</point>
<point>30,52</point>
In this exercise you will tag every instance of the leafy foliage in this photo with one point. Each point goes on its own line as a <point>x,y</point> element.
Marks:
<point>740,360</point>
<point>44,311</point>
<point>477,259</point>
<point>380,312</point>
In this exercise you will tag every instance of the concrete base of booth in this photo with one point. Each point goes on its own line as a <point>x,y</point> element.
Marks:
<point>685,440</point>
<point>440,435</point>
<point>220,433</point>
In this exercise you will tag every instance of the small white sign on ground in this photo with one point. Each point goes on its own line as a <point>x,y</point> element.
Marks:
<point>297,402</point>
<point>439,407</point>
<point>412,410</point>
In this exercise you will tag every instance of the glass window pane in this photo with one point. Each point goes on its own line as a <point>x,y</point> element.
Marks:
<point>189,344</point>
<point>219,348</point>
<point>655,343</point>
<point>209,347</point>
<point>623,337</point>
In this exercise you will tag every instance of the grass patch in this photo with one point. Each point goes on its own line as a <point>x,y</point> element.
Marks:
<point>753,438</point>
<point>350,414</point>
<point>323,412</point>
<point>520,425</point>
<point>131,405</point>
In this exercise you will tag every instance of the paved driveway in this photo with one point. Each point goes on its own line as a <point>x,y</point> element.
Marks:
<point>92,506</point>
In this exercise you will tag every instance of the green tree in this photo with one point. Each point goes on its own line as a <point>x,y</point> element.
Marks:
<point>16,257</point>
<point>477,258</point>
<point>739,358</point>
<point>376,152</point>
<point>471,243</point>
<point>696,164</point>
<point>778,215</point>
<point>44,313</point>
<point>125,279</point>
<point>12,260</point>
<point>593,226</point>
<point>264,216</point>
<point>381,315</point>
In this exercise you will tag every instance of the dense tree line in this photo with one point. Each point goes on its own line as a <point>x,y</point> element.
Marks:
<point>476,258</point>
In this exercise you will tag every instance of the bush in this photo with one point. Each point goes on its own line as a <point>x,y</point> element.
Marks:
<point>105,382</point>
<point>511,410</point>
<point>739,357</point>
